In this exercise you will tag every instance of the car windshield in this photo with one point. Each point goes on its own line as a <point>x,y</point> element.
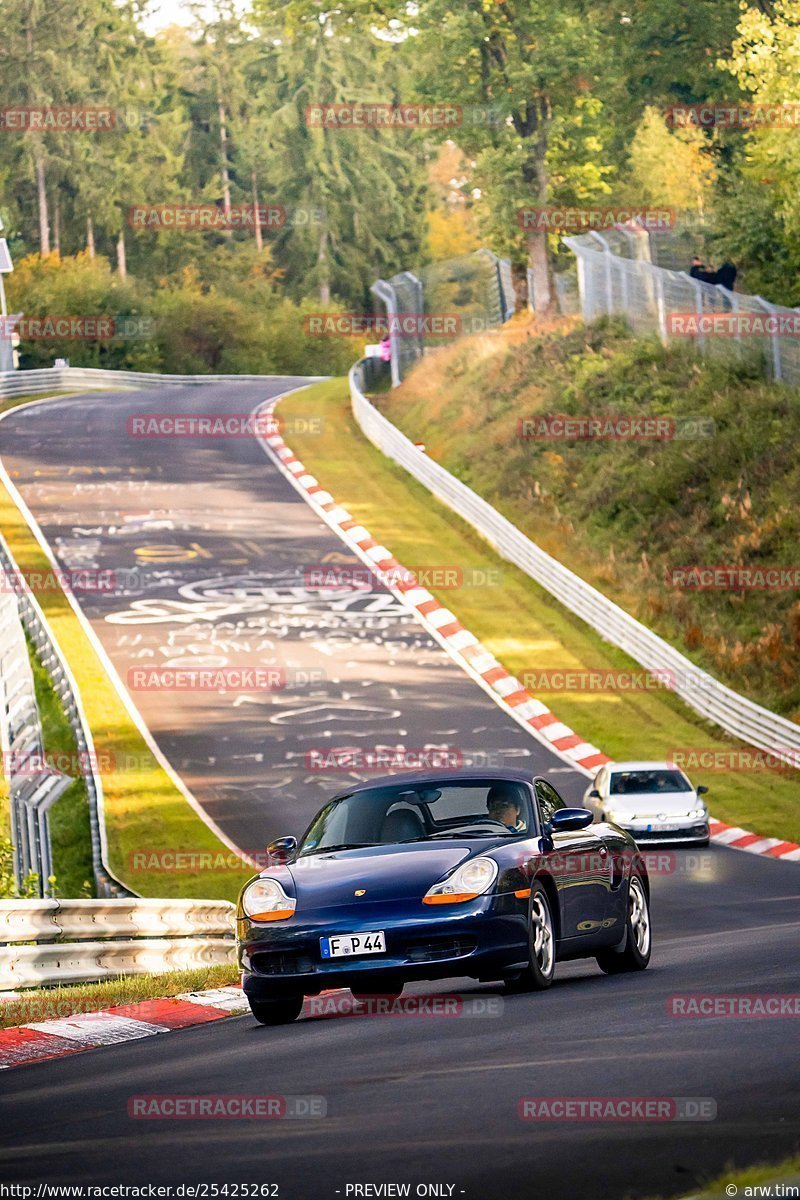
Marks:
<point>397,814</point>
<point>630,783</point>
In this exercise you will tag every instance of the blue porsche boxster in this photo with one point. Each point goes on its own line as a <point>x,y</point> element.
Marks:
<point>457,873</point>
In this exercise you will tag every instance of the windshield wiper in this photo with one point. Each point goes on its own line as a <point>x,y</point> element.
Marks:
<point>340,846</point>
<point>464,833</point>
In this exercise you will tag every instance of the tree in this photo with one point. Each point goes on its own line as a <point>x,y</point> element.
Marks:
<point>355,198</point>
<point>672,169</point>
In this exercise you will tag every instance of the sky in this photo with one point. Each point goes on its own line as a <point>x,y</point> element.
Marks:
<point>167,12</point>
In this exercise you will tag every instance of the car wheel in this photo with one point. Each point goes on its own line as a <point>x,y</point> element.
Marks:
<point>633,953</point>
<point>281,1011</point>
<point>539,973</point>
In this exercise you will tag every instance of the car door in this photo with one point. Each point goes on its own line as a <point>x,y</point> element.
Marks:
<point>581,868</point>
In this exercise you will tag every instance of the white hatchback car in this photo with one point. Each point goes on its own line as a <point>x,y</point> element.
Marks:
<point>653,801</point>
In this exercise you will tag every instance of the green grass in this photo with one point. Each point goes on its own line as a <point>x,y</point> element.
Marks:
<point>519,622</point>
<point>787,1171</point>
<point>623,513</point>
<point>70,835</point>
<point>44,1004</point>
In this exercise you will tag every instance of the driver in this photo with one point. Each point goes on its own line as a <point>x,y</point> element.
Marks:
<point>503,805</point>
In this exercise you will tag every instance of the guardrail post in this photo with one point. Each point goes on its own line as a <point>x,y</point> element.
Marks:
<point>385,292</point>
<point>777,364</point>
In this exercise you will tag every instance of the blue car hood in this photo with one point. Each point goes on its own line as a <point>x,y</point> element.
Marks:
<point>385,872</point>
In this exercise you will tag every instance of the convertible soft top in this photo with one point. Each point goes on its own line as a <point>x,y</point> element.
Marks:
<point>426,778</point>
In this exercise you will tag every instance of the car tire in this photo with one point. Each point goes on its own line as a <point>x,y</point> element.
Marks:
<point>633,952</point>
<point>281,1011</point>
<point>539,973</point>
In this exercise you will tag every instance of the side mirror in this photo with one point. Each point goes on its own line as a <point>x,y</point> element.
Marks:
<point>281,850</point>
<point>565,819</point>
<point>594,794</point>
<point>701,791</point>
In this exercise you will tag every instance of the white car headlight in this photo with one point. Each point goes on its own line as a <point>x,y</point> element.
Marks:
<point>698,812</point>
<point>265,900</point>
<point>470,880</point>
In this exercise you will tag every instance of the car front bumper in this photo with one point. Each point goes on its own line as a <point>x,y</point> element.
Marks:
<point>484,939</point>
<point>673,833</point>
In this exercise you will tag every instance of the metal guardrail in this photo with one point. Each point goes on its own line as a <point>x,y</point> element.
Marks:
<point>47,649</point>
<point>734,713</point>
<point>80,941</point>
<point>20,383</point>
<point>33,787</point>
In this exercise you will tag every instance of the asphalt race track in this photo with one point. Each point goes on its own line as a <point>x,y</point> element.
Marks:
<point>410,1099</point>
<point>212,555</point>
<point>434,1100</point>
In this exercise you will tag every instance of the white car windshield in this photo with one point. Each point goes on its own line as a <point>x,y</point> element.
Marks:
<point>387,816</point>
<point>629,783</point>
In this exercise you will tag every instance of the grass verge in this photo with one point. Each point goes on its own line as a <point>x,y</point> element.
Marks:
<point>644,516</point>
<point>46,1004</point>
<point>144,810</point>
<point>70,834</point>
<point>747,1181</point>
<point>523,626</point>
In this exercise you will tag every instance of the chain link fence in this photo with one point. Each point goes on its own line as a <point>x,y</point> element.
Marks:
<point>455,297</point>
<point>615,278</point>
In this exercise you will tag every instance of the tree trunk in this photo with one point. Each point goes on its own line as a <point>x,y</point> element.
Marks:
<point>259,238</point>
<point>57,226</point>
<point>41,196</point>
<point>226,180</point>
<point>90,237</point>
<point>534,127</point>
<point>122,265</point>
<point>539,265</point>
<point>323,273</point>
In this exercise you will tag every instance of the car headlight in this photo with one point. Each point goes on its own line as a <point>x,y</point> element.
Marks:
<point>698,812</point>
<point>470,880</point>
<point>265,900</point>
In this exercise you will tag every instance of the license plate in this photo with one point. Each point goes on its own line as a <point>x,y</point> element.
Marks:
<point>344,944</point>
<point>662,828</point>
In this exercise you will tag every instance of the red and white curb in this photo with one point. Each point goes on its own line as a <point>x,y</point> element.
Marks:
<point>753,843</point>
<point>123,1023</point>
<point>464,647</point>
<point>442,624</point>
<point>57,1038</point>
